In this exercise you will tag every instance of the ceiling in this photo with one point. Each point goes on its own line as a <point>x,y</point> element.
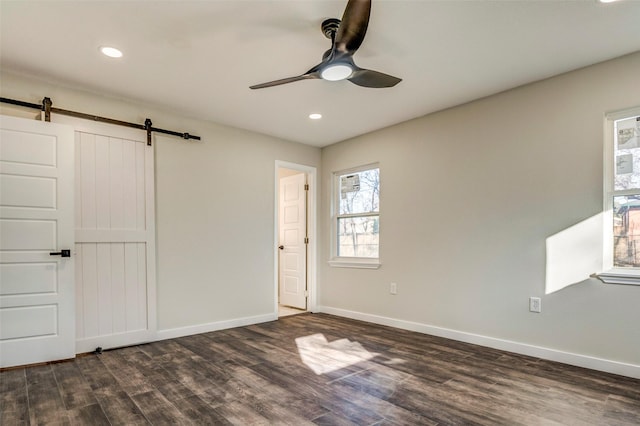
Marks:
<point>198,58</point>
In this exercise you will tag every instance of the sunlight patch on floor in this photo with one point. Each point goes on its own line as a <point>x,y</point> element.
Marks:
<point>322,356</point>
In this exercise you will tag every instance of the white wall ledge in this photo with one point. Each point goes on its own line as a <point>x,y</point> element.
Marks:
<point>355,263</point>
<point>618,278</point>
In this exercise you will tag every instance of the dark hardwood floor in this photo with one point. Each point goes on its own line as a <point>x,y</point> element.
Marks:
<point>315,369</point>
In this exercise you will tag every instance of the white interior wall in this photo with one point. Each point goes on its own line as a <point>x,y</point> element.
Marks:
<point>282,172</point>
<point>470,197</point>
<point>214,209</point>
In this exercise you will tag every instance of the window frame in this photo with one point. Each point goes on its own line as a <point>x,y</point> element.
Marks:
<point>346,261</point>
<point>611,274</point>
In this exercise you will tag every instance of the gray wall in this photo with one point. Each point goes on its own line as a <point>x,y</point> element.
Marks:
<point>469,197</point>
<point>215,207</point>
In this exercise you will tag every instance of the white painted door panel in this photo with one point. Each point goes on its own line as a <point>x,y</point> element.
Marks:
<point>293,274</point>
<point>37,315</point>
<point>115,237</point>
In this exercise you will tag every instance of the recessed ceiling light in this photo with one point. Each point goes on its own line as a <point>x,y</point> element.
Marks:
<point>315,116</point>
<point>111,52</point>
<point>607,1</point>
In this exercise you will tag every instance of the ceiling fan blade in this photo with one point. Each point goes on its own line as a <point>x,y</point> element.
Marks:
<point>353,26</point>
<point>306,76</point>
<point>369,78</point>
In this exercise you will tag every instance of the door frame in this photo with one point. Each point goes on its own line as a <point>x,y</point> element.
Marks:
<point>312,247</point>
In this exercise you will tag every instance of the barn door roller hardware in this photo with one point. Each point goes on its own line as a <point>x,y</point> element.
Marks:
<point>47,107</point>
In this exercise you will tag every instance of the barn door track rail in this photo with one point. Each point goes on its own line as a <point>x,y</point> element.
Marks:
<point>47,107</point>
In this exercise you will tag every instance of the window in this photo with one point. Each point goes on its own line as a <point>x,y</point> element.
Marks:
<point>622,198</point>
<point>356,217</point>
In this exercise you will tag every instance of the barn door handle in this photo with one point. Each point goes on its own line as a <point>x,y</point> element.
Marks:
<point>281,247</point>
<point>62,253</point>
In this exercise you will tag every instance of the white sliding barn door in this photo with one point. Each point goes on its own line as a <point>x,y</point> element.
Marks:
<point>115,237</point>
<point>36,220</point>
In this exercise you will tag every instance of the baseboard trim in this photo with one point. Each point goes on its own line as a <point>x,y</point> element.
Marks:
<point>608,366</point>
<point>172,333</point>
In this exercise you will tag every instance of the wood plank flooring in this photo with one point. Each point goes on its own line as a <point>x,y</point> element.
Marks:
<point>314,369</point>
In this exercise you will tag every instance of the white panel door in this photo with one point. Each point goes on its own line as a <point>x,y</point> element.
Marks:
<point>293,250</point>
<point>37,321</point>
<point>115,236</point>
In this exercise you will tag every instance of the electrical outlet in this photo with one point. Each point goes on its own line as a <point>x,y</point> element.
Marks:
<point>393,288</point>
<point>535,304</point>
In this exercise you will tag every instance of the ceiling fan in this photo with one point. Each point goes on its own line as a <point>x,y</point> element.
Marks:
<point>337,63</point>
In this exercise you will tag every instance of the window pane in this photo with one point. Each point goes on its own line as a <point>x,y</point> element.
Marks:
<point>627,153</point>
<point>360,192</point>
<point>358,236</point>
<point>626,231</point>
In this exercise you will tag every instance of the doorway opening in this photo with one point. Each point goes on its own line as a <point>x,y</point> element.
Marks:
<point>295,237</point>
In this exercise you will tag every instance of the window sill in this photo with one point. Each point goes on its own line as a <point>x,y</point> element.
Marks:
<point>355,263</point>
<point>619,277</point>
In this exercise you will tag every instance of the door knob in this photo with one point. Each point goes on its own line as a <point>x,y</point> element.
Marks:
<point>61,253</point>
<point>281,247</point>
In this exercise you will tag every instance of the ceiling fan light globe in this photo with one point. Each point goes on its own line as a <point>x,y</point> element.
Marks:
<point>336,72</point>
